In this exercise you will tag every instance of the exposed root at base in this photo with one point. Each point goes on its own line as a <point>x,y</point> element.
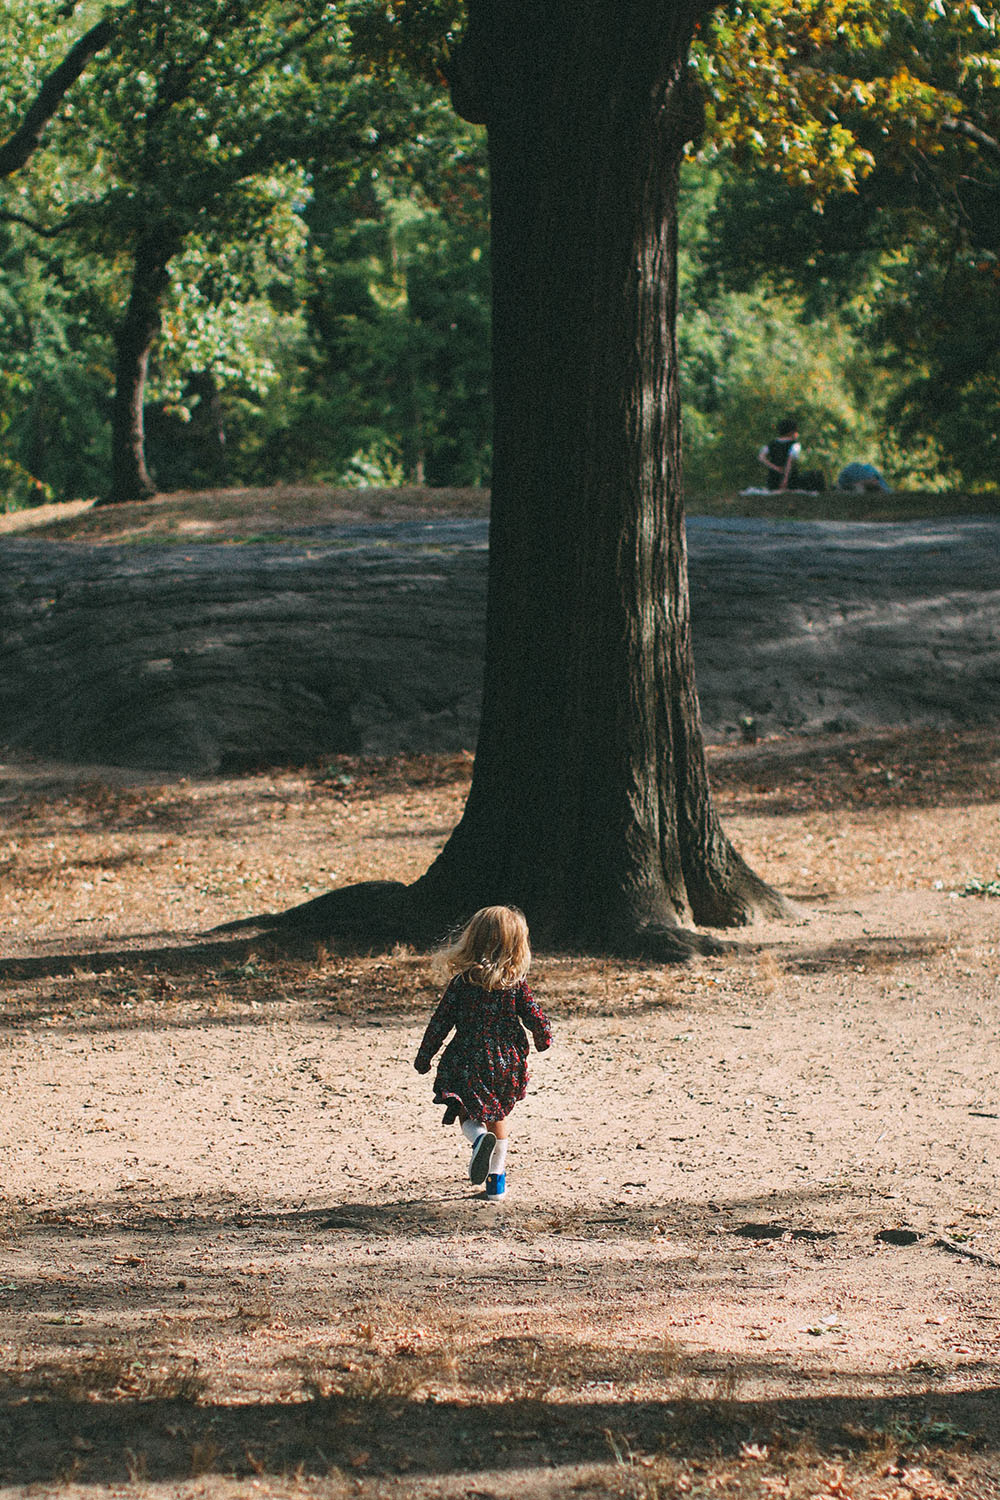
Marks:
<point>674,945</point>
<point>373,912</point>
<point>379,913</point>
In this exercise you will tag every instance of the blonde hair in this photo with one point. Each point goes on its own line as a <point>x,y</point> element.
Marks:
<point>492,949</point>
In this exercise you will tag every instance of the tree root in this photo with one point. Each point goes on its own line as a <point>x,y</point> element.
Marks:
<point>374,912</point>
<point>671,945</point>
<point>734,896</point>
<point>380,913</point>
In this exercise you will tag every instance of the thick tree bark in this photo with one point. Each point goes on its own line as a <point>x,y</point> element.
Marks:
<point>590,805</point>
<point>130,478</point>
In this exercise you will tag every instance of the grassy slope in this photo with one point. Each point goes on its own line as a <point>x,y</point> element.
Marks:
<point>254,514</point>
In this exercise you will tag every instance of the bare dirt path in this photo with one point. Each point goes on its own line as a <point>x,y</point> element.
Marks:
<point>752,1243</point>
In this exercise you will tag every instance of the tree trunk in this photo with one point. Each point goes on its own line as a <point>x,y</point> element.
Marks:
<point>590,803</point>
<point>130,478</point>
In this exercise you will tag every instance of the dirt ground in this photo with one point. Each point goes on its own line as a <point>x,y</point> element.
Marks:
<point>751,1244</point>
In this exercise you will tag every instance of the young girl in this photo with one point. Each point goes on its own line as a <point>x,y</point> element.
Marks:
<point>483,1070</point>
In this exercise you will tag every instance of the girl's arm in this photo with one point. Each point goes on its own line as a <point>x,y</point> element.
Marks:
<point>534,1018</point>
<point>438,1027</point>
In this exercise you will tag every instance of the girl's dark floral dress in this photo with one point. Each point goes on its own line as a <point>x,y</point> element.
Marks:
<point>483,1070</point>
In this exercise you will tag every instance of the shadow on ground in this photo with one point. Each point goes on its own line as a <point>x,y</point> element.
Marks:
<point>48,1434</point>
<point>207,981</point>
<point>100,1399</point>
<point>861,772</point>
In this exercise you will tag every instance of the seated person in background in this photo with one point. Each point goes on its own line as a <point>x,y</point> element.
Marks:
<point>860,477</point>
<point>780,457</point>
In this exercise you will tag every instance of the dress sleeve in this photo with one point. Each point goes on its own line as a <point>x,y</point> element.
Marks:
<point>533,1017</point>
<point>438,1027</point>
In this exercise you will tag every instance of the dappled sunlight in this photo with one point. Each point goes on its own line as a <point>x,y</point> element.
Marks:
<point>750,1239</point>
<point>394,1338</point>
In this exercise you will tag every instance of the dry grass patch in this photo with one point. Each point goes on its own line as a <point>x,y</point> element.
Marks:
<point>237,515</point>
<point>106,1375</point>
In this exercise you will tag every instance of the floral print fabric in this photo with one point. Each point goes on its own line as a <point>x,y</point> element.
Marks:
<point>483,1070</point>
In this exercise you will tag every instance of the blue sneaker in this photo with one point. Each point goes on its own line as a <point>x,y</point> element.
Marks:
<point>479,1165</point>
<point>496,1186</point>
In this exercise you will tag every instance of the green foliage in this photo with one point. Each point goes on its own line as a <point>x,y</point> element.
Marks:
<point>395,384</point>
<point>234,302</point>
<point>407,312</point>
<point>193,135</point>
<point>326,213</point>
<point>747,360</point>
<point>756,354</point>
<point>54,373</point>
<point>886,117</point>
<point>415,36</point>
<point>940,320</point>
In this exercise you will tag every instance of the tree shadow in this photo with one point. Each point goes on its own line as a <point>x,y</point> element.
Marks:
<point>863,771</point>
<point>161,958</point>
<point>155,1237</point>
<point>399,1218</point>
<point>882,953</point>
<point>55,1430</point>
<point>265,952</point>
<point>106,1409</point>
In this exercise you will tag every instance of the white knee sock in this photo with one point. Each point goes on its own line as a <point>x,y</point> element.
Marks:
<point>498,1157</point>
<point>472,1130</point>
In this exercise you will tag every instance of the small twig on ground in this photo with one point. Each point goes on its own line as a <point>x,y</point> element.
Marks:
<point>955,1249</point>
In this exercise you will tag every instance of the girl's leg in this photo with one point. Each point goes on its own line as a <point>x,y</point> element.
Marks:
<point>483,1141</point>
<point>498,1156</point>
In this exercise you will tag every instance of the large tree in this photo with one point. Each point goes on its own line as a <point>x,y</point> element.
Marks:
<point>211,97</point>
<point>184,128</point>
<point>590,804</point>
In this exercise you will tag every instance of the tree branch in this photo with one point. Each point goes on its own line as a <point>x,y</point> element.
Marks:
<point>288,49</point>
<point>48,231</point>
<point>18,148</point>
<point>971,133</point>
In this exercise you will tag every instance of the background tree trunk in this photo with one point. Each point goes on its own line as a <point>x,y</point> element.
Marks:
<point>590,804</point>
<point>130,478</point>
